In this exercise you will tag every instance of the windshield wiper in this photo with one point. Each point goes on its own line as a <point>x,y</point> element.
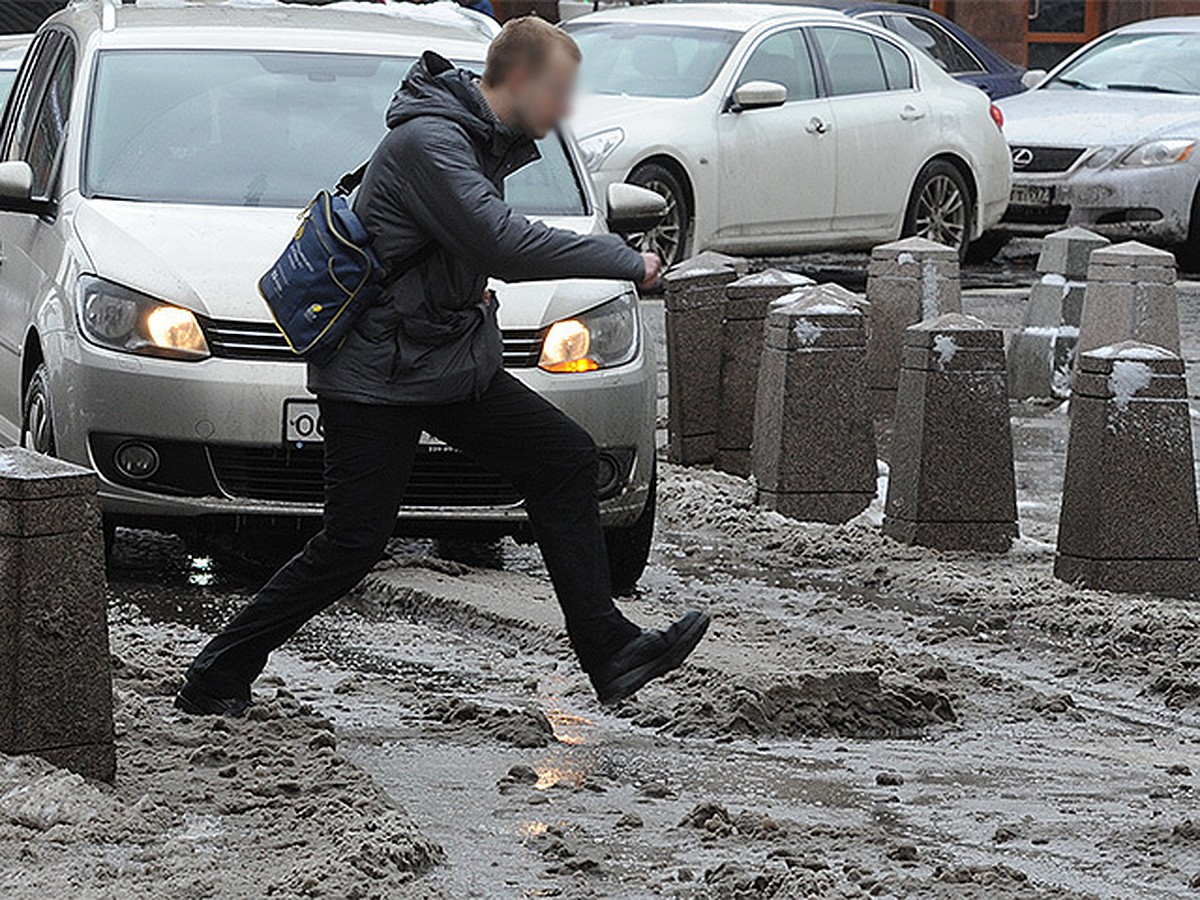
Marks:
<point>1075,83</point>
<point>1145,88</point>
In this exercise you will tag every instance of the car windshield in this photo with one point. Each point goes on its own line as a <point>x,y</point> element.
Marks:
<point>244,128</point>
<point>651,60</point>
<point>1149,63</point>
<point>7,77</point>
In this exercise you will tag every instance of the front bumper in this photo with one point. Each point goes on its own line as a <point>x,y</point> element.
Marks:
<point>217,426</point>
<point>1148,204</point>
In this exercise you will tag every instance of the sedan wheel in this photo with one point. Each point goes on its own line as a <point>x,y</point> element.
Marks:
<point>940,209</point>
<point>668,240</point>
<point>39,426</point>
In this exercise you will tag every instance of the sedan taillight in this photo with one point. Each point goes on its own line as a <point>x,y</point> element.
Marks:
<point>997,116</point>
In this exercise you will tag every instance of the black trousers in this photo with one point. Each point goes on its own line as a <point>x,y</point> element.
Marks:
<point>369,452</point>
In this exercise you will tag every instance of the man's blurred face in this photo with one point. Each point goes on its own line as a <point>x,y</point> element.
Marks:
<point>542,98</point>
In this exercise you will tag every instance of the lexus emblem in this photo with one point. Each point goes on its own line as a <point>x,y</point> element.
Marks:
<point>1021,157</point>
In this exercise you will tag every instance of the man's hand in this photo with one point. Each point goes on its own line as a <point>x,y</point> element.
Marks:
<point>653,265</point>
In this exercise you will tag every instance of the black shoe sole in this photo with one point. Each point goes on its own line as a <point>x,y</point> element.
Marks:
<point>210,706</point>
<point>629,683</point>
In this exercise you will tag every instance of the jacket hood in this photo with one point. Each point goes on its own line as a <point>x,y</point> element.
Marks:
<point>436,87</point>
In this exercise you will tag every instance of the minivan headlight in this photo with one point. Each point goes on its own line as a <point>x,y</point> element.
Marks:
<point>1159,153</point>
<point>597,148</point>
<point>118,318</point>
<point>604,336</point>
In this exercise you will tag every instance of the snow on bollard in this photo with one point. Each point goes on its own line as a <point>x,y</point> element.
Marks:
<point>952,485</point>
<point>908,281</point>
<point>746,302</point>
<point>695,302</point>
<point>1042,354</point>
<point>55,669</point>
<point>1131,296</point>
<point>814,443</point>
<point>1129,520</point>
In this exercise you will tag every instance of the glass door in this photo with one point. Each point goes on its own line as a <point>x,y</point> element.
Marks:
<point>1055,28</point>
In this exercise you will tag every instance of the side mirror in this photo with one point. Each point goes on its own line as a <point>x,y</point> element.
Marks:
<point>1032,78</point>
<point>758,95</point>
<point>633,209</point>
<point>16,185</point>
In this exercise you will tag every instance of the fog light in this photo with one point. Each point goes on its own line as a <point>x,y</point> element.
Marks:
<point>136,460</point>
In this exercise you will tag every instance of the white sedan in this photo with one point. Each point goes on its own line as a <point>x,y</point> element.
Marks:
<point>775,129</point>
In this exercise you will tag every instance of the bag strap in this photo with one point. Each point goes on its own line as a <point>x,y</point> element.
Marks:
<point>350,181</point>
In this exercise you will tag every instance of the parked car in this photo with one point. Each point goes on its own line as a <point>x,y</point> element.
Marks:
<point>952,47</point>
<point>1108,139</point>
<point>12,51</point>
<point>167,153</point>
<point>773,129</point>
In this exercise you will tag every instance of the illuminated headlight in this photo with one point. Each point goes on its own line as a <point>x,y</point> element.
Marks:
<point>601,337</point>
<point>597,148</point>
<point>1159,153</point>
<point>120,319</point>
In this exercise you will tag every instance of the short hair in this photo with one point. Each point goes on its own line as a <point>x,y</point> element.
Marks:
<point>526,41</point>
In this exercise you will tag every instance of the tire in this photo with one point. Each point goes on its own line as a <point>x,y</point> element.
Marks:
<point>629,545</point>
<point>940,208</point>
<point>670,239</point>
<point>37,427</point>
<point>985,249</point>
<point>1188,255</point>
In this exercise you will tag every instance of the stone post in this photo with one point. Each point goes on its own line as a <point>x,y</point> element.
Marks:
<point>814,442</point>
<point>1131,296</point>
<point>695,302</point>
<point>746,302</point>
<point>55,670</point>
<point>908,281</point>
<point>952,485</point>
<point>1041,356</point>
<point>1128,520</point>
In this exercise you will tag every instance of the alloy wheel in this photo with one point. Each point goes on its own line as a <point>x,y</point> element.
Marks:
<point>942,212</point>
<point>38,436</point>
<point>665,239</point>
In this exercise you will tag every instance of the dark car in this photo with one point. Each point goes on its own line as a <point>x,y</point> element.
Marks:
<point>957,51</point>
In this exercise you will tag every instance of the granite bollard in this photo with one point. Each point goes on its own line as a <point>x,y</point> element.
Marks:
<point>1131,296</point>
<point>695,307</point>
<point>1129,520</point>
<point>908,281</point>
<point>746,302</point>
<point>814,442</point>
<point>55,668</point>
<point>1041,356</point>
<point>952,485</point>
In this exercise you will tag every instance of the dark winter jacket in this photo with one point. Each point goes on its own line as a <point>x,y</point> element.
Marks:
<point>434,188</point>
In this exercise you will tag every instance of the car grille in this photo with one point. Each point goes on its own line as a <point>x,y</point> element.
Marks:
<point>1045,159</point>
<point>441,476</point>
<point>231,339</point>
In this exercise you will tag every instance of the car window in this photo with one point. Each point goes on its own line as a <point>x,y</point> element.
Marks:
<point>45,138</point>
<point>896,65</point>
<point>249,128</point>
<point>852,61</point>
<point>651,60</point>
<point>7,77</point>
<point>938,43</point>
<point>784,59</point>
<point>1154,63</point>
<point>28,91</point>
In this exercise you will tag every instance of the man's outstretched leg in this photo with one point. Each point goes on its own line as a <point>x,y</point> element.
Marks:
<point>368,457</point>
<point>552,461</point>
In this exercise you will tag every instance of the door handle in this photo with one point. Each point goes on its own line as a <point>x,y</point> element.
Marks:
<point>910,113</point>
<point>817,126</point>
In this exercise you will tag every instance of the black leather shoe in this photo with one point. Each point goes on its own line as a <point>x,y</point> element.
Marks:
<point>650,654</point>
<point>195,702</point>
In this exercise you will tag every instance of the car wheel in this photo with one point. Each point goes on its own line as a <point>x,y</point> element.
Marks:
<point>37,433</point>
<point>629,546</point>
<point>1188,256</point>
<point>985,249</point>
<point>670,239</point>
<point>940,207</point>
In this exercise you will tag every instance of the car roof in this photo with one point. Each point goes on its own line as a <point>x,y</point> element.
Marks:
<point>727,16</point>
<point>1165,24</point>
<point>269,24</point>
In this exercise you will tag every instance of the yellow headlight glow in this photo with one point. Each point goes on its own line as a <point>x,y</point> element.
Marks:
<point>566,348</point>
<point>172,328</point>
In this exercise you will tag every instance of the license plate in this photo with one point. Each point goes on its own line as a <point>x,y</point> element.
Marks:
<point>302,425</point>
<point>1032,195</point>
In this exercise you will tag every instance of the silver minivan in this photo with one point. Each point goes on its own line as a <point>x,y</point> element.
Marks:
<point>153,158</point>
